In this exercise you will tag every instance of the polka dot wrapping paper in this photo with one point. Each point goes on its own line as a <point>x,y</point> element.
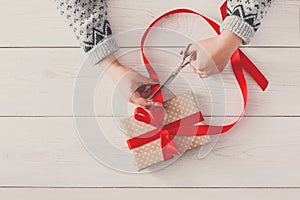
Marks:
<point>176,108</point>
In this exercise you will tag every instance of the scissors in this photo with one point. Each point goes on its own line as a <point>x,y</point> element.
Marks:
<point>187,58</point>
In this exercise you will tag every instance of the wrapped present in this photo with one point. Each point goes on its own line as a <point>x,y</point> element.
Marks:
<point>151,145</point>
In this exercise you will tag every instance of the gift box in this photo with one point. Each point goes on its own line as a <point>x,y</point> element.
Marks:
<point>176,108</point>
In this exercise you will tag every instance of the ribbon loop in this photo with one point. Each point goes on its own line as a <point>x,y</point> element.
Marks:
<point>142,115</point>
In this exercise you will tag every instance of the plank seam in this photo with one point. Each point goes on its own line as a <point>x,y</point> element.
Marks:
<point>71,116</point>
<point>146,187</point>
<point>77,47</point>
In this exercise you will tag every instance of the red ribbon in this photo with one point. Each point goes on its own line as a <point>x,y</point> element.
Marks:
<point>185,126</point>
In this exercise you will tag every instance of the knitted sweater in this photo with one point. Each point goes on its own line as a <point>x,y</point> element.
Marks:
<point>88,20</point>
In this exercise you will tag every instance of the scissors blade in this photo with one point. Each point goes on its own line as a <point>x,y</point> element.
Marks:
<point>165,84</point>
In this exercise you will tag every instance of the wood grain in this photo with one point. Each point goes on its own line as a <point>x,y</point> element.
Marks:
<point>149,194</point>
<point>41,155</point>
<point>38,23</point>
<point>39,82</point>
<point>259,152</point>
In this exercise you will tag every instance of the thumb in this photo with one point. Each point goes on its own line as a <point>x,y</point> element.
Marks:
<point>152,81</point>
<point>148,81</point>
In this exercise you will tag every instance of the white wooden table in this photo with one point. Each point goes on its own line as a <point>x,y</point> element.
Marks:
<point>42,157</point>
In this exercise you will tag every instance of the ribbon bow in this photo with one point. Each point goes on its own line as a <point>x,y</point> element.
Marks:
<point>181,127</point>
<point>186,126</point>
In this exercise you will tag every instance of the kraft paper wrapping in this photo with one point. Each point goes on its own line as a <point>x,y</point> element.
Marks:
<point>176,108</point>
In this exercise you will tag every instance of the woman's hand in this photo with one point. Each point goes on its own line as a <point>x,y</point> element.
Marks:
<point>213,54</point>
<point>135,87</point>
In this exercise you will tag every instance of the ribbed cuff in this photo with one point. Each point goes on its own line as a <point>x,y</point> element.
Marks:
<point>239,27</point>
<point>102,49</point>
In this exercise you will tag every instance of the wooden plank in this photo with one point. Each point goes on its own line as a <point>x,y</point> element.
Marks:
<point>38,23</point>
<point>149,194</point>
<point>39,82</point>
<point>45,152</point>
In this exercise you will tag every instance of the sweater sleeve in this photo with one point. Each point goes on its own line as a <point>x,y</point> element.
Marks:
<point>244,17</point>
<point>88,20</point>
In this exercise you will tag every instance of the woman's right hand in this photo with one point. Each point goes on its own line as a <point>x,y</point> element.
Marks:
<point>135,87</point>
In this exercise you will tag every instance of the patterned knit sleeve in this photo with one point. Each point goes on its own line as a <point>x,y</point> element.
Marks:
<point>88,20</point>
<point>244,17</point>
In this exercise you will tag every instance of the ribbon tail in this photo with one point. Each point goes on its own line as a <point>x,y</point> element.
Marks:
<point>239,75</point>
<point>253,71</point>
<point>168,146</point>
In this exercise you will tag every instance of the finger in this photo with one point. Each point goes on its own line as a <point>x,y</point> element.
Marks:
<point>147,92</point>
<point>193,66</point>
<point>194,57</point>
<point>151,81</point>
<point>203,75</point>
<point>143,85</point>
<point>146,80</point>
<point>141,101</point>
<point>196,66</point>
<point>193,47</point>
<point>203,72</point>
<point>198,70</point>
<point>141,88</point>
